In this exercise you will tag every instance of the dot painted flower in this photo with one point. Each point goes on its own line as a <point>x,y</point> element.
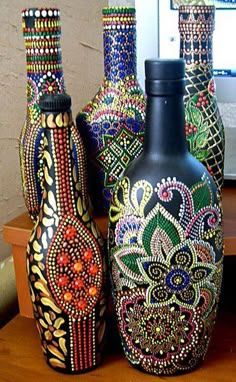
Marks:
<point>161,334</point>
<point>69,232</point>
<point>75,272</point>
<point>49,84</point>
<point>173,267</point>
<point>178,278</point>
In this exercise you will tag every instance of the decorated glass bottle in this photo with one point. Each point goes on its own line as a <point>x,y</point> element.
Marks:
<point>112,124</point>
<point>42,33</point>
<point>165,239</point>
<point>65,260</point>
<point>203,124</point>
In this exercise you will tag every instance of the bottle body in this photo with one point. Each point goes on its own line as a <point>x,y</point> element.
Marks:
<point>42,33</point>
<point>111,125</point>
<point>203,124</point>
<point>165,247</point>
<point>65,263</point>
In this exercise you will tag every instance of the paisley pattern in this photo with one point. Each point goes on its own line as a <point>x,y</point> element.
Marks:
<point>112,124</point>
<point>166,267</point>
<point>64,260</point>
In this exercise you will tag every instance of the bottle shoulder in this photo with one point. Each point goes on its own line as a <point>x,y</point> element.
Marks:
<point>184,168</point>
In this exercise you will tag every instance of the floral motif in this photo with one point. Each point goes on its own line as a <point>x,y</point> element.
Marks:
<point>52,326</point>
<point>164,335</point>
<point>166,271</point>
<point>75,275</point>
<point>49,84</point>
<point>178,278</point>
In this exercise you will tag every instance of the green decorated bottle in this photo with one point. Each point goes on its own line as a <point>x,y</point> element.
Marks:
<point>65,254</point>
<point>203,123</point>
<point>165,239</point>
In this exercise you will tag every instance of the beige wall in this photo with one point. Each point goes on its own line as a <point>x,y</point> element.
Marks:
<point>83,70</point>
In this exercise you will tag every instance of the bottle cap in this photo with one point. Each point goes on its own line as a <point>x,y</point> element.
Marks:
<point>165,76</point>
<point>55,102</point>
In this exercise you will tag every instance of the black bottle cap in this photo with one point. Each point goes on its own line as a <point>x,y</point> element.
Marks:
<point>165,76</point>
<point>55,102</point>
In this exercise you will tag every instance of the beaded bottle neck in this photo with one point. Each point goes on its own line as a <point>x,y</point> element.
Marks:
<point>42,32</point>
<point>59,184</point>
<point>119,42</point>
<point>196,26</point>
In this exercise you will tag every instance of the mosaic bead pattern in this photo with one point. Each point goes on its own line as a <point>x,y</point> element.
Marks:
<point>112,124</point>
<point>203,124</point>
<point>42,32</point>
<point>65,260</point>
<point>166,268</point>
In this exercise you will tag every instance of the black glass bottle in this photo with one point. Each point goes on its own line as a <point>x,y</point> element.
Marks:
<point>165,239</point>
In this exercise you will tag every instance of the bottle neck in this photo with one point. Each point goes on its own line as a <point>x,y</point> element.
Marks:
<point>164,129</point>
<point>59,185</point>
<point>42,33</point>
<point>43,55</point>
<point>119,42</point>
<point>196,26</point>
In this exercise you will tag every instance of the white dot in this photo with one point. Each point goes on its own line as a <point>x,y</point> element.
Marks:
<point>26,13</point>
<point>31,12</point>
<point>44,13</point>
<point>50,13</point>
<point>55,12</point>
<point>23,13</point>
<point>41,51</point>
<point>47,50</point>
<point>49,74</point>
<point>37,13</point>
<point>51,50</point>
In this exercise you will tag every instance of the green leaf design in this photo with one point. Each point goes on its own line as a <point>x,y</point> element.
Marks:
<point>202,137</point>
<point>193,115</point>
<point>126,259</point>
<point>202,195</point>
<point>159,217</point>
<point>201,155</point>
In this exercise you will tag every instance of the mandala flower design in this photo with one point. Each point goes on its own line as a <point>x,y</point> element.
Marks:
<point>49,84</point>
<point>178,278</point>
<point>158,333</point>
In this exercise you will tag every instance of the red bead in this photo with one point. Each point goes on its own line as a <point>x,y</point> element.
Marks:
<point>93,269</point>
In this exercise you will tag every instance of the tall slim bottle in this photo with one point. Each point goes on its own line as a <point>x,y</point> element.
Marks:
<point>65,254</point>
<point>42,35</point>
<point>112,124</point>
<point>203,124</point>
<point>165,239</point>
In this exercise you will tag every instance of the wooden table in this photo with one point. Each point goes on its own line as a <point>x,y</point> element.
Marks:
<point>21,358</point>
